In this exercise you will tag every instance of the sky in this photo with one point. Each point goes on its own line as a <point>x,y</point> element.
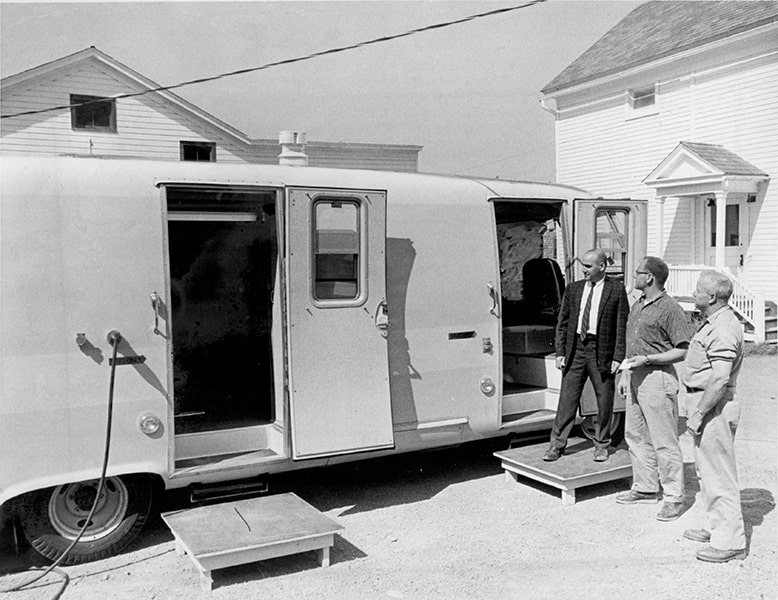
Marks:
<point>469,93</point>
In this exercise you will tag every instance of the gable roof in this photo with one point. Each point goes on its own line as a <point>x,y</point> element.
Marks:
<point>93,54</point>
<point>659,29</point>
<point>691,163</point>
<point>722,159</point>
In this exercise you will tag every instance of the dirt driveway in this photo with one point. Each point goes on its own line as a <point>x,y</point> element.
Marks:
<point>447,525</point>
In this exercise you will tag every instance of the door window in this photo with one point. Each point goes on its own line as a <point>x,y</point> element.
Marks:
<point>336,249</point>
<point>610,234</point>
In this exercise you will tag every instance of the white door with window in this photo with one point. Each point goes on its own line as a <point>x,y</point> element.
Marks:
<point>619,227</point>
<point>337,322</point>
<point>735,233</point>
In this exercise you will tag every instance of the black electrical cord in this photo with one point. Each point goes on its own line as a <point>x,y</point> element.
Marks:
<point>114,338</point>
<point>287,61</point>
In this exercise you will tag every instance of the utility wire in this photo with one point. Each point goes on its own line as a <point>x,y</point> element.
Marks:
<point>288,61</point>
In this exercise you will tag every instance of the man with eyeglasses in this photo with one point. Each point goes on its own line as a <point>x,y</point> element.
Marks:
<point>658,332</point>
<point>590,344</point>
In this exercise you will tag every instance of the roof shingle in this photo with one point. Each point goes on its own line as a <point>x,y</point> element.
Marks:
<point>661,28</point>
<point>722,159</point>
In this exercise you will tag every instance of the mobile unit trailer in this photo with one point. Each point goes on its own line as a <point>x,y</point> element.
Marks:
<point>269,318</point>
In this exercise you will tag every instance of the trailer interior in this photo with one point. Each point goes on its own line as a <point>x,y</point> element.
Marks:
<point>531,249</point>
<point>222,247</point>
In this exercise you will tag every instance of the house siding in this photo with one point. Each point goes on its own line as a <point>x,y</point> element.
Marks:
<point>152,126</point>
<point>146,126</point>
<point>601,150</point>
<point>363,158</point>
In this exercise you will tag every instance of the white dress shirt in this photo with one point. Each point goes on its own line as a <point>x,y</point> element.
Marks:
<point>597,291</point>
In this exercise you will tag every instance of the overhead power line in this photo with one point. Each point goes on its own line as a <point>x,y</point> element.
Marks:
<point>289,61</point>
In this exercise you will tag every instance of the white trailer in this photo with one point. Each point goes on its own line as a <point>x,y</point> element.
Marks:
<point>271,318</point>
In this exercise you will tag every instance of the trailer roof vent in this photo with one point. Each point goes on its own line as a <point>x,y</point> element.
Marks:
<point>292,149</point>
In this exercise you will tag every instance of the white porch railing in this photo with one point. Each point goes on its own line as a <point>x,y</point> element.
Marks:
<point>682,281</point>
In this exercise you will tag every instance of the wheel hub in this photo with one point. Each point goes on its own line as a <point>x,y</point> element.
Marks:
<point>70,504</point>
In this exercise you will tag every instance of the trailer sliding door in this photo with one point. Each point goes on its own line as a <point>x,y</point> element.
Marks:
<point>337,322</point>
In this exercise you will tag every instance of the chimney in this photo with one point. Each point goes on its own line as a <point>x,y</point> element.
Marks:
<point>292,149</point>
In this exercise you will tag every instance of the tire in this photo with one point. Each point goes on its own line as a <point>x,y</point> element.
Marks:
<point>52,518</point>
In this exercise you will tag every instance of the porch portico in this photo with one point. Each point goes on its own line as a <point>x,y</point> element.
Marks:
<point>716,193</point>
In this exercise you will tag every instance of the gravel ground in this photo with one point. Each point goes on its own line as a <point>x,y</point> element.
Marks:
<point>447,524</point>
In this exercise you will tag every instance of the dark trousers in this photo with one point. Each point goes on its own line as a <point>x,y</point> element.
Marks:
<point>583,366</point>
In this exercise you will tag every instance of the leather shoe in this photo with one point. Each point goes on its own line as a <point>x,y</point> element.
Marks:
<point>697,535</point>
<point>552,454</point>
<point>600,454</point>
<point>711,554</point>
<point>635,497</point>
<point>670,511</point>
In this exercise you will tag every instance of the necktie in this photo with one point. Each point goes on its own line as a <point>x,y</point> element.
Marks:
<point>586,312</point>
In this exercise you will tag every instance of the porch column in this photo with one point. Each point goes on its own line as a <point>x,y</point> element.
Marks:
<point>721,223</point>
<point>660,230</point>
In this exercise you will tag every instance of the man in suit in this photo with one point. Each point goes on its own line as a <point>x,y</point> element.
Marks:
<point>590,344</point>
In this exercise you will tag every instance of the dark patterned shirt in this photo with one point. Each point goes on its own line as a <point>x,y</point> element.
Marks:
<point>655,326</point>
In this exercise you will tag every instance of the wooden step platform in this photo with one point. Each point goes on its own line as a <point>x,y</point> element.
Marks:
<point>574,470</point>
<point>244,531</point>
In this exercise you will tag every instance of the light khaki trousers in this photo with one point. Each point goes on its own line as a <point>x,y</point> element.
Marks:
<point>651,432</point>
<point>714,455</point>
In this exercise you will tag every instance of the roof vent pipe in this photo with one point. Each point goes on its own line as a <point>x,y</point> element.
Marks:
<point>292,149</point>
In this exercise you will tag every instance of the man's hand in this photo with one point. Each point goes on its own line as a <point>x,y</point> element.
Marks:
<point>560,362</point>
<point>615,367</point>
<point>624,384</point>
<point>694,423</point>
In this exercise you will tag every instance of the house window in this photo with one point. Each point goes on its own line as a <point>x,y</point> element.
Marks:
<point>92,112</point>
<point>336,249</point>
<point>198,151</point>
<point>731,225</point>
<point>643,98</point>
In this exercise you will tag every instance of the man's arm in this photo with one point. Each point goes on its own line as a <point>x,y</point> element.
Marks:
<point>667,357</point>
<point>560,342</point>
<point>622,313</point>
<point>714,390</point>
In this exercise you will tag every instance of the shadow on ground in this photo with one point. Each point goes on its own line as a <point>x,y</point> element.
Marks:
<point>393,480</point>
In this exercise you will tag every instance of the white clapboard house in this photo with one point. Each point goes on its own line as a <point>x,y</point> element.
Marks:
<point>94,120</point>
<point>678,104</point>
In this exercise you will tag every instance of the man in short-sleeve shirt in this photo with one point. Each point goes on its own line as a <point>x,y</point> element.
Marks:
<point>658,334</point>
<point>710,374</point>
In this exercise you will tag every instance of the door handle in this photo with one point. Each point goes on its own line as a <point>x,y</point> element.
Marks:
<point>495,310</point>
<point>156,301</point>
<point>382,318</point>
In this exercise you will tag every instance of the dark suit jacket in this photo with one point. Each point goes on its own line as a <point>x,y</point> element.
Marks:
<point>611,323</point>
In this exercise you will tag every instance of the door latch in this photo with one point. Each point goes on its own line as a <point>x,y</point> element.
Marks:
<point>382,318</point>
<point>156,300</point>
<point>495,310</point>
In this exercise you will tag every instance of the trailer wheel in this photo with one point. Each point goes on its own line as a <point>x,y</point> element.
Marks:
<point>52,518</point>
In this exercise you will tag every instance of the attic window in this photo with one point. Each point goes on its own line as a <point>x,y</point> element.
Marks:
<point>642,98</point>
<point>198,151</point>
<point>92,112</point>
